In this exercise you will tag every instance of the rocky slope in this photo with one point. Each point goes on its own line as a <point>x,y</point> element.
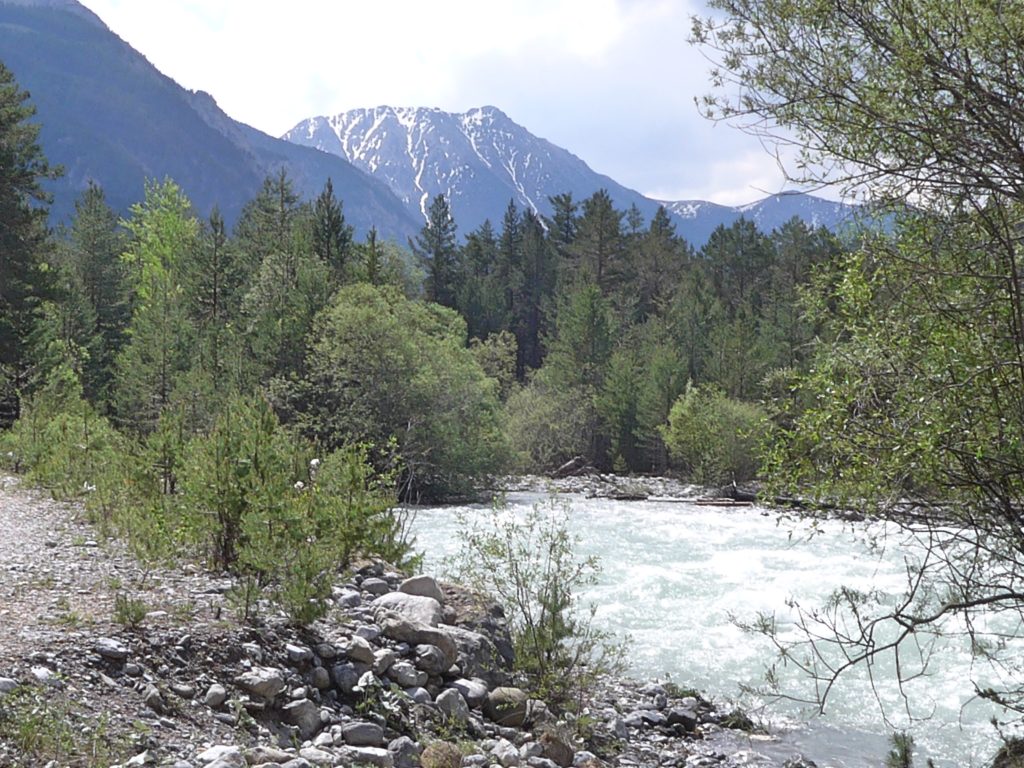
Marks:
<point>403,672</point>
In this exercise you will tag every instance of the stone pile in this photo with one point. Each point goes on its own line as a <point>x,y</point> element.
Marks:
<point>399,675</point>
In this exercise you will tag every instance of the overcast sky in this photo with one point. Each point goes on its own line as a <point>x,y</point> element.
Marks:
<point>612,81</point>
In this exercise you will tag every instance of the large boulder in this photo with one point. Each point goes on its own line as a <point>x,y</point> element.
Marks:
<point>478,656</point>
<point>453,706</point>
<point>423,586</point>
<point>303,714</point>
<point>262,681</point>
<point>507,706</point>
<point>414,633</point>
<point>424,610</point>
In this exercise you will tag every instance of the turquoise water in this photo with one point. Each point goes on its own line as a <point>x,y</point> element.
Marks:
<point>676,576</point>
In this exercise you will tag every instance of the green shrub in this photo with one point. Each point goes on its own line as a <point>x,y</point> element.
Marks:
<point>44,726</point>
<point>60,442</point>
<point>714,438</point>
<point>256,502</point>
<point>546,425</point>
<point>530,566</point>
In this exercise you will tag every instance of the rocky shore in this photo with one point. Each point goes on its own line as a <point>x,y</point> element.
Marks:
<point>102,663</point>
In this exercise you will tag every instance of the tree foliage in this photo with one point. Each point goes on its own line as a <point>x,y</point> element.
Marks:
<point>384,368</point>
<point>911,406</point>
<point>24,278</point>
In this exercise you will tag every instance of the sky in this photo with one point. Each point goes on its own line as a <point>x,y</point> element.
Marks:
<point>612,81</point>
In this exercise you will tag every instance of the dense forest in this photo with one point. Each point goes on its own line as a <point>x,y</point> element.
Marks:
<point>527,343</point>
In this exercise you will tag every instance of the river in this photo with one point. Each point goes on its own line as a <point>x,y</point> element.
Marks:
<point>675,576</point>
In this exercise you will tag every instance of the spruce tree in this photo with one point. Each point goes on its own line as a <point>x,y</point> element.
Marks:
<point>25,282</point>
<point>436,249</point>
<point>332,237</point>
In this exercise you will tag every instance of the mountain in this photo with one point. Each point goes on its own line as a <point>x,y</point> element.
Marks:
<point>701,217</point>
<point>481,159</point>
<point>108,115</point>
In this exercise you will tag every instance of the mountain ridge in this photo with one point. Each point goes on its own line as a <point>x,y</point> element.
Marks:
<point>108,115</point>
<point>481,158</point>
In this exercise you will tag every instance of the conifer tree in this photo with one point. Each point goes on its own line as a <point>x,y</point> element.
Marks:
<point>436,249</point>
<point>24,280</point>
<point>94,257</point>
<point>162,231</point>
<point>332,237</point>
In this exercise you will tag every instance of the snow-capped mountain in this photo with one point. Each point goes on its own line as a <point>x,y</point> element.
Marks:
<point>698,218</point>
<point>481,159</point>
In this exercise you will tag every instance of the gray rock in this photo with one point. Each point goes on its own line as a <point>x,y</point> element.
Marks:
<point>799,761</point>
<point>414,633</point>
<point>303,714</point>
<point>422,586</point>
<point>424,610</point>
<point>320,678</point>
<point>231,760</point>
<point>405,752</point>
<point>346,677</point>
<point>317,756</point>
<point>219,752</point>
<point>46,676</point>
<point>151,696</point>
<point>111,649</point>
<point>507,706</point>
<point>431,659</point>
<point>405,675</point>
<point>473,691</point>
<point>584,758</point>
<point>375,756</point>
<point>347,598</point>
<point>326,651</point>
<point>263,754</point>
<point>323,739</point>
<point>476,654</point>
<point>383,659</point>
<point>215,695</point>
<point>363,734</point>
<point>419,695</point>
<point>375,586</point>
<point>7,685</point>
<point>360,650</point>
<point>505,753</point>
<point>541,762</point>
<point>530,749</point>
<point>262,681</point>
<point>684,717</point>
<point>297,762</point>
<point>182,690</point>
<point>143,758</point>
<point>451,703</point>
<point>298,654</point>
<point>368,632</point>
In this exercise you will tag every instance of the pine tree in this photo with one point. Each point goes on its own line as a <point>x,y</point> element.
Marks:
<point>162,231</point>
<point>24,279</point>
<point>436,249</point>
<point>332,237</point>
<point>598,252</point>
<point>94,257</point>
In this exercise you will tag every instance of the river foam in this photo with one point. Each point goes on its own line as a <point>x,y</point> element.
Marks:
<point>677,577</point>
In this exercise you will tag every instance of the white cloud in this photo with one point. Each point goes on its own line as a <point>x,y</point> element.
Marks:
<point>613,81</point>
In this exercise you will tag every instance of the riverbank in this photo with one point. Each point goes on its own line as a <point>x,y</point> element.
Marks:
<point>105,663</point>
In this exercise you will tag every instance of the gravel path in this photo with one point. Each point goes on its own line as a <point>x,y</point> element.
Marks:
<point>59,577</point>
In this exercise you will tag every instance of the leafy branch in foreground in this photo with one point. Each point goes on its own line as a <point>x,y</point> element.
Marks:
<point>913,407</point>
